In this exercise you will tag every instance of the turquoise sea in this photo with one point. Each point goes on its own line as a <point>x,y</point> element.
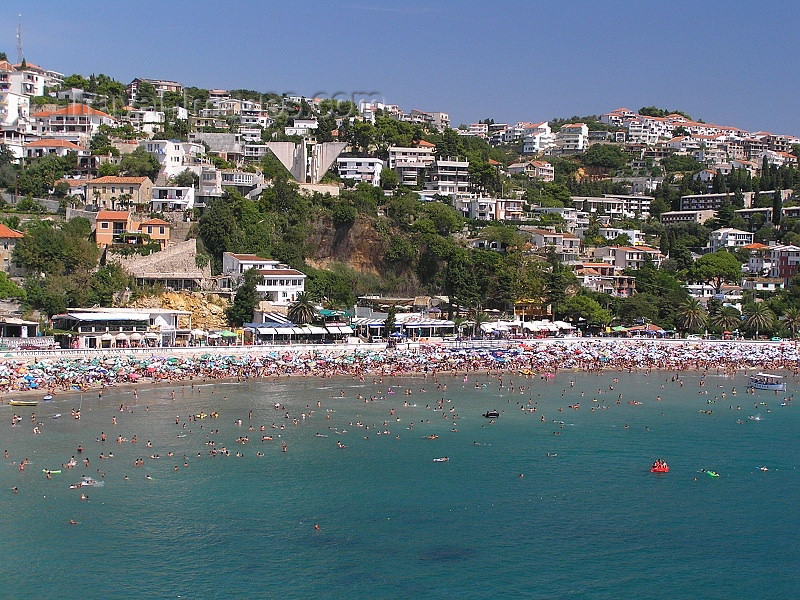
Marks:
<point>586,520</point>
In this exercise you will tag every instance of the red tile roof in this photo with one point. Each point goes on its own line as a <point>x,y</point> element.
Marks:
<point>155,222</point>
<point>80,110</point>
<point>248,256</point>
<point>112,179</point>
<point>7,232</point>
<point>113,215</point>
<point>53,144</point>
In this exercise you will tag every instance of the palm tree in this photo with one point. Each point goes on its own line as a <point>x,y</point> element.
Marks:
<point>302,310</point>
<point>479,319</point>
<point>759,317</point>
<point>691,315</point>
<point>727,319</point>
<point>458,322</point>
<point>792,321</point>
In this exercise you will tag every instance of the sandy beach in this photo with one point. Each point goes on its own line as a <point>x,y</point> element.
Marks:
<point>57,373</point>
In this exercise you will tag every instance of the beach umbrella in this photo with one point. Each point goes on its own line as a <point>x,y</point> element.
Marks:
<point>135,337</point>
<point>198,333</point>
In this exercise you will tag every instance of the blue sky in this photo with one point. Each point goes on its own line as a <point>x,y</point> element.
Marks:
<point>732,63</point>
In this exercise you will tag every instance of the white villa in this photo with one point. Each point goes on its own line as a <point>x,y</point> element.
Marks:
<point>279,284</point>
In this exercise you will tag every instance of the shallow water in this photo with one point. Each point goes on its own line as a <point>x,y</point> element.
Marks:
<point>588,521</point>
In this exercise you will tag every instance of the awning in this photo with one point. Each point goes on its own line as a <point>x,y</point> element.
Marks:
<point>266,331</point>
<point>106,337</point>
<point>135,337</point>
<point>284,330</point>
<point>298,331</point>
<point>317,330</point>
<point>121,337</point>
<point>151,336</point>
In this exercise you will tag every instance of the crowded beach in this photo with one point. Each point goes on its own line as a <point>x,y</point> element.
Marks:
<point>60,374</point>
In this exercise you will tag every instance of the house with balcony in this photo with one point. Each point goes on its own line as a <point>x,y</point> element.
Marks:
<point>175,156</point>
<point>686,216</point>
<point>114,192</point>
<point>784,261</point>
<point>279,283</point>
<point>448,177</point>
<point>77,122</point>
<point>566,245</point>
<point>172,199</point>
<point>627,257</point>
<point>8,240</point>
<point>119,227</point>
<point>360,168</point>
<point>605,278</point>
<point>55,147</point>
<point>728,238</point>
<point>410,163</point>
<point>573,137</point>
<point>533,169</point>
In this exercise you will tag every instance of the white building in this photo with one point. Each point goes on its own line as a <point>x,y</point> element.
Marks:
<point>728,238</point>
<point>170,198</point>
<point>77,122</point>
<point>360,168</point>
<point>411,163</point>
<point>174,156</point>
<point>627,257</point>
<point>448,177</point>
<point>302,127</point>
<point>573,137</point>
<point>539,139</point>
<point>534,169</point>
<point>146,121</point>
<point>616,206</point>
<point>279,284</point>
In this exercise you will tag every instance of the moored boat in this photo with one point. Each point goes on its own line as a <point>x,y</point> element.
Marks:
<point>491,414</point>
<point>767,381</point>
<point>23,402</point>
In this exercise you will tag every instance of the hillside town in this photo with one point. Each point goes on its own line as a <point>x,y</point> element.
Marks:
<point>157,214</point>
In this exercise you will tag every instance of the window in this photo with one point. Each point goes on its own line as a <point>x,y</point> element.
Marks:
<point>104,225</point>
<point>161,230</point>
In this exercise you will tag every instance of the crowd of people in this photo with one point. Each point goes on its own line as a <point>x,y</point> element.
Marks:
<point>530,358</point>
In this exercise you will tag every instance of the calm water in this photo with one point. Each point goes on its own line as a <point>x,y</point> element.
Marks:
<point>589,521</point>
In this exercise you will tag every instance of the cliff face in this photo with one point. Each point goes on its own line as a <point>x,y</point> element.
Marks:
<point>359,246</point>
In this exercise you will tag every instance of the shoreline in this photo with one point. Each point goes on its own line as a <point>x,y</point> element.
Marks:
<point>28,377</point>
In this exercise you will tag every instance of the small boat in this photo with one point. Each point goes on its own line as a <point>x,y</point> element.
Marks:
<point>767,381</point>
<point>48,398</point>
<point>51,471</point>
<point>659,466</point>
<point>23,402</point>
<point>491,414</point>
<point>710,473</point>
<point>442,459</point>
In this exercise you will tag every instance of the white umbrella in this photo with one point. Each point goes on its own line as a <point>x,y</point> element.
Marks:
<point>121,337</point>
<point>106,337</point>
<point>198,333</point>
<point>135,337</point>
<point>151,336</point>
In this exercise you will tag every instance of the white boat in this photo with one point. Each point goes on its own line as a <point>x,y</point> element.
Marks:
<point>767,381</point>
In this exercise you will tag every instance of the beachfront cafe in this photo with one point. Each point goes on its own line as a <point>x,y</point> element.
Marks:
<point>276,328</point>
<point>119,328</point>
<point>414,326</point>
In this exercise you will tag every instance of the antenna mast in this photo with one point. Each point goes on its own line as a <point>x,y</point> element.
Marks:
<point>20,56</point>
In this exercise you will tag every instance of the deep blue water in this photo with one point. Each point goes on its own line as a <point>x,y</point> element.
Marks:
<point>589,521</point>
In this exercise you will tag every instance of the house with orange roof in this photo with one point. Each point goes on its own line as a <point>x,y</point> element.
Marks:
<point>627,257</point>
<point>573,137</point>
<point>411,162</point>
<point>8,239</point>
<point>157,229</point>
<point>57,147</point>
<point>605,278</point>
<point>114,192</point>
<point>119,227</point>
<point>76,121</point>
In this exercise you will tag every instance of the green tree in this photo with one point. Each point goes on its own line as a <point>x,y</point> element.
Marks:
<point>245,300</point>
<point>583,307</point>
<point>727,319</point>
<point>302,310</point>
<point>185,178</point>
<point>758,318</point>
<point>716,268</point>
<point>140,163</point>
<point>389,322</point>
<point>106,282</point>
<point>691,315</point>
<point>389,179</point>
<point>107,168</point>
<point>792,321</point>
<point>605,156</point>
